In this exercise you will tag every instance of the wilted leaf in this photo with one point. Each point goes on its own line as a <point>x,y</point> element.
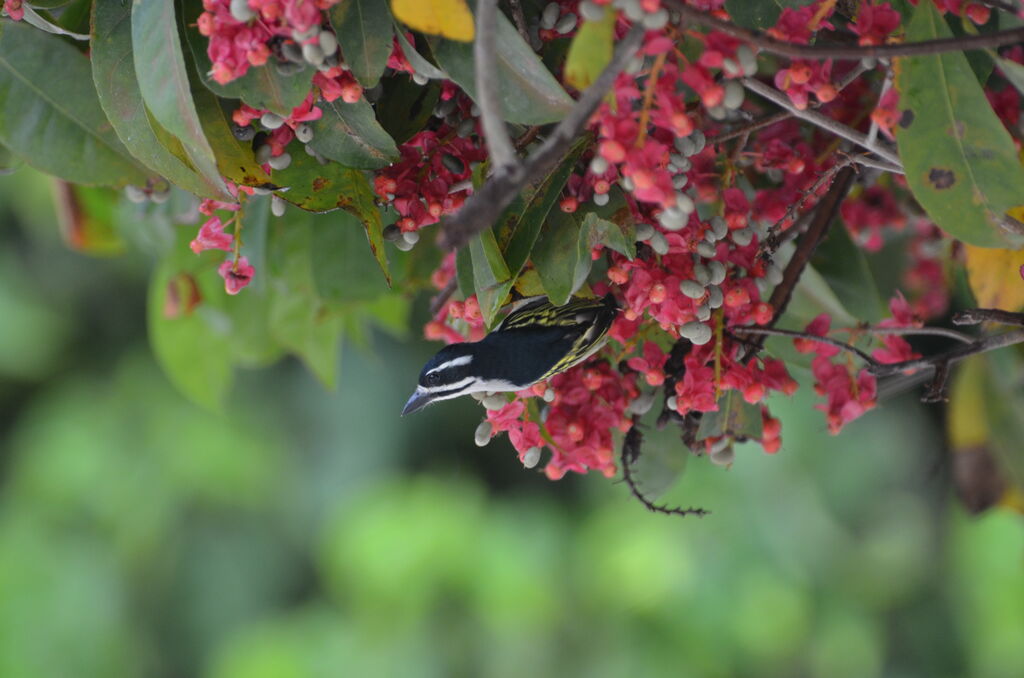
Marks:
<point>530,95</point>
<point>51,117</point>
<point>590,51</point>
<point>86,218</point>
<point>235,159</point>
<point>449,18</point>
<point>350,134</point>
<point>960,161</point>
<point>994,276</point>
<point>364,32</point>
<point>163,79</point>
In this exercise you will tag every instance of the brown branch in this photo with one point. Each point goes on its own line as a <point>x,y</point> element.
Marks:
<point>519,19</point>
<point>482,208</point>
<point>846,52</point>
<point>976,316</point>
<point>439,299</point>
<point>630,453</point>
<point>485,58</point>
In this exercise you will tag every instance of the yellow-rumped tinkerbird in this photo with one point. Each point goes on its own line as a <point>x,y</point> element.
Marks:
<point>536,340</point>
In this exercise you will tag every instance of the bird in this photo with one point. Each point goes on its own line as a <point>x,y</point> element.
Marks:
<point>535,341</point>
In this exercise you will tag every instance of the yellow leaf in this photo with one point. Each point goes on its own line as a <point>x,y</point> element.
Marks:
<point>966,418</point>
<point>448,18</point>
<point>590,51</point>
<point>995,277</point>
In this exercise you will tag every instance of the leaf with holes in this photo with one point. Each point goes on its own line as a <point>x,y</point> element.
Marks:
<point>960,162</point>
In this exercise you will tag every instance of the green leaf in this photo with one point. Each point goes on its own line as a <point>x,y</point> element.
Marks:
<point>960,161</point>
<point>193,346</point>
<point>846,270</point>
<point>491,275</point>
<point>404,108</point>
<point>759,14</point>
<point>163,79</point>
<point>556,256</point>
<point>235,159</point>
<point>364,30</point>
<point>252,344</point>
<point>51,117</point>
<point>590,51</point>
<point>597,231</point>
<point>323,188</point>
<point>350,134</point>
<point>464,272</point>
<point>261,86</point>
<point>299,320</point>
<point>530,95</point>
<point>416,60</point>
<point>113,71</point>
<point>735,417</point>
<point>519,227</point>
<point>8,161</point>
<point>1013,72</point>
<point>341,270</point>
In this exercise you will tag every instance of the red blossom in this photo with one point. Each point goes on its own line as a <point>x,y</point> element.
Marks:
<point>236,273</point>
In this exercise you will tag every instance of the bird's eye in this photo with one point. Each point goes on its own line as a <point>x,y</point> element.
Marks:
<point>433,379</point>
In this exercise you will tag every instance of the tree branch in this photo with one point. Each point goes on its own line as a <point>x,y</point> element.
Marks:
<point>630,453</point>
<point>483,207</point>
<point>499,145</point>
<point>846,52</point>
<point>823,121</point>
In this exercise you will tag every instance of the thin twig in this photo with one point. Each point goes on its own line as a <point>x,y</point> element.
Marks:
<point>982,345</point>
<point>499,145</point>
<point>846,52</point>
<point>976,316</point>
<point>768,120</point>
<point>773,332</point>
<point>439,299</point>
<point>914,331</point>
<point>823,121</point>
<point>771,240</point>
<point>630,453</point>
<point>1001,4</point>
<point>483,207</point>
<point>519,19</point>
<point>809,241</point>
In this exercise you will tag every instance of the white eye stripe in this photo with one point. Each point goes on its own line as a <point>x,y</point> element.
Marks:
<point>454,362</point>
<point>449,387</point>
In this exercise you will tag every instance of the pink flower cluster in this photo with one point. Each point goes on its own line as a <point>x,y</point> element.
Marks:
<point>590,403</point>
<point>236,271</point>
<point>14,10</point>
<point>236,45</point>
<point>848,393</point>
<point>421,186</point>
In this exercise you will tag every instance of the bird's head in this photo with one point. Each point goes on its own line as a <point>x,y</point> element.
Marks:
<point>449,374</point>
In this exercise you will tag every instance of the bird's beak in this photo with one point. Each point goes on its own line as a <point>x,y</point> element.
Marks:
<point>417,401</point>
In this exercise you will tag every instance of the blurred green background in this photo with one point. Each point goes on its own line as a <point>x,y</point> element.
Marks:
<point>308,533</point>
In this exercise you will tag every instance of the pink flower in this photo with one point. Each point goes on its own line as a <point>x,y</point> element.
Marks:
<point>874,23</point>
<point>212,237</point>
<point>14,9</point>
<point>236,273</point>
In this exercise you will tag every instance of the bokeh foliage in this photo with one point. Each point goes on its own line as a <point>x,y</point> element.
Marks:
<point>312,533</point>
